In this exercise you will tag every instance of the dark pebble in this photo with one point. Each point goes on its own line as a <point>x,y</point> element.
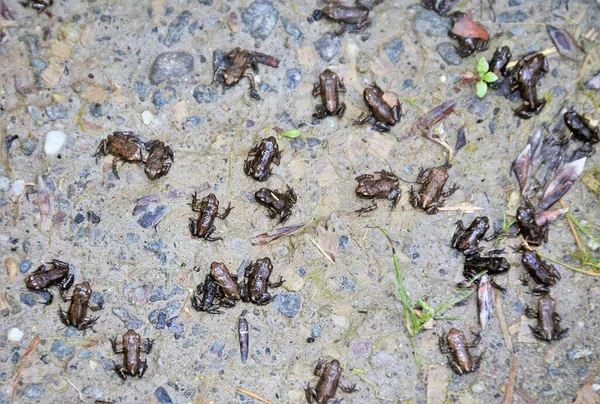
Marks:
<point>312,141</point>
<point>205,95</point>
<point>394,49</point>
<point>62,350</point>
<point>170,65</point>
<point>260,18</point>
<point>130,320</point>
<point>25,266</point>
<point>55,112</point>
<point>169,311</point>
<point>28,299</point>
<point>92,217</point>
<point>164,96</point>
<point>217,348</point>
<point>343,243</point>
<point>109,364</point>
<point>310,340</point>
<point>150,219</point>
<point>287,303</point>
<point>206,2</point>
<point>15,358</point>
<point>29,145</point>
<point>163,396</point>
<point>328,46</point>
<point>176,28</point>
<point>45,359</point>
<point>160,293</point>
<point>291,29</point>
<point>554,73</point>
<point>448,52</point>
<point>509,16</point>
<point>408,83</point>
<point>461,139</point>
<point>143,90</point>
<point>492,126</point>
<point>514,3</point>
<point>293,78</point>
<point>79,218</point>
<point>96,110</point>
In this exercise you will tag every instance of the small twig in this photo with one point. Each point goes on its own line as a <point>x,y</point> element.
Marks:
<point>251,394</point>
<point>325,253</point>
<point>544,52</point>
<point>510,389</point>
<point>28,353</point>
<point>573,230</point>
<point>78,391</point>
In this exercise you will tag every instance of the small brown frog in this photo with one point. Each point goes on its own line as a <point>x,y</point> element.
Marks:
<point>460,361</point>
<point>471,35</point>
<point>337,12</point>
<point>442,7</point>
<point>491,265</point>
<point>381,114</point>
<point>541,271</point>
<point>44,277</point>
<point>548,328</point>
<point>132,346</point>
<point>124,146</point>
<point>498,65</point>
<point>203,227</point>
<point>330,374</point>
<point>466,239</point>
<point>525,77</point>
<point>581,128</point>
<point>227,282</point>
<point>80,302</point>
<point>533,234</point>
<point>240,60</point>
<point>428,198</point>
<point>279,203</point>
<point>157,164</point>
<point>39,5</point>
<point>206,296</point>
<point>381,185</point>
<point>255,287</point>
<point>329,87</point>
<point>260,157</point>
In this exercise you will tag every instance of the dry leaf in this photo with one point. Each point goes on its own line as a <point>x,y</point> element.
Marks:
<point>61,50</point>
<point>12,269</point>
<point>52,74</point>
<point>325,173</point>
<point>307,56</point>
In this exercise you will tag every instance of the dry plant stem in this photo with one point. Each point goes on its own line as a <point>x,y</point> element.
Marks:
<point>28,353</point>
<point>253,395</point>
<point>544,52</point>
<point>572,227</point>
<point>583,271</point>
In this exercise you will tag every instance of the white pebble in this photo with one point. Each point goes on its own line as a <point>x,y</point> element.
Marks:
<point>18,187</point>
<point>15,335</point>
<point>55,140</point>
<point>443,79</point>
<point>596,387</point>
<point>147,117</point>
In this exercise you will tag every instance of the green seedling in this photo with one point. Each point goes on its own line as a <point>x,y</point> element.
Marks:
<point>420,316</point>
<point>485,77</point>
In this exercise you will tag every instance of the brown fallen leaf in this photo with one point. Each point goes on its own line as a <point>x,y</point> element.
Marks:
<point>467,28</point>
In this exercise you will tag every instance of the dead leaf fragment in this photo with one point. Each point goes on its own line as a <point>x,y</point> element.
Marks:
<point>467,28</point>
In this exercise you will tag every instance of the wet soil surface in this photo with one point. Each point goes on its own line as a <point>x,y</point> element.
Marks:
<point>101,67</point>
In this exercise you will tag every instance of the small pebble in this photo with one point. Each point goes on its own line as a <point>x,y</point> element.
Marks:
<point>55,140</point>
<point>4,183</point>
<point>36,114</point>
<point>79,218</point>
<point>478,388</point>
<point>34,391</point>
<point>260,18</point>
<point>92,217</point>
<point>317,329</point>
<point>163,396</point>
<point>62,350</point>
<point>25,266</point>
<point>287,304</point>
<point>15,335</point>
<point>164,96</point>
<point>28,299</point>
<point>147,117</point>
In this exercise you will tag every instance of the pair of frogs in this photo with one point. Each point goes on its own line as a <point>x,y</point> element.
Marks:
<point>221,288</point>
<point>128,148</point>
<point>57,274</point>
<point>385,185</point>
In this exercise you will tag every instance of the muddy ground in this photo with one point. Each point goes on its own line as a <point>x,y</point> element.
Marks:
<point>93,61</point>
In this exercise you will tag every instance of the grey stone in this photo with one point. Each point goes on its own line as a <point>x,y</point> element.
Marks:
<point>170,65</point>
<point>131,321</point>
<point>478,106</point>
<point>25,266</point>
<point>291,29</point>
<point>514,3</point>
<point>36,114</point>
<point>176,28</point>
<point>593,83</point>
<point>217,348</point>
<point>293,77</point>
<point>85,354</point>
<point>169,311</point>
<point>205,95</point>
<point>260,18</point>
<point>55,112</point>
<point>93,392</point>
<point>143,90</point>
<point>313,141</point>
<point>162,396</point>
<point>316,331</point>
<point>328,45</point>
<point>431,24</point>
<point>577,353</point>
<point>164,96</point>
<point>194,121</point>
<point>448,52</point>
<point>62,350</point>
<point>287,303</point>
<point>394,49</point>
<point>34,391</point>
<point>28,299</point>
<point>96,110</point>
<point>160,293</point>
<point>206,2</point>
<point>298,143</point>
<point>4,183</point>
<point>509,16</point>
<point>150,219</point>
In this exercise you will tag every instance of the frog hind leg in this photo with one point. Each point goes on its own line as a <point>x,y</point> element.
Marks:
<point>561,333</point>
<point>341,109</point>
<point>64,318</point>
<point>452,190</point>
<point>114,167</point>
<point>263,299</point>
<point>397,110</point>
<point>115,348</point>
<point>121,371</point>
<point>253,92</point>
<point>540,334</point>
<point>226,213</point>
<point>143,368</point>
<point>523,112</point>
<point>455,367</point>
<point>382,127</point>
<point>396,198</point>
<point>87,322</point>
<point>320,113</point>
<point>208,237</point>
<point>348,389</point>
<point>362,118</point>
<point>367,209</point>
<point>310,393</point>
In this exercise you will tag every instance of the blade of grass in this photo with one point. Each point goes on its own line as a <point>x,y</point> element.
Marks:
<point>583,271</point>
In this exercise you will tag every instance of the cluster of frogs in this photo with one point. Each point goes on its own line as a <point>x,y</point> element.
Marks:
<point>56,273</point>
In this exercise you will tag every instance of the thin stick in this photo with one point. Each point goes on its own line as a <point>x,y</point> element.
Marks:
<point>573,230</point>
<point>510,389</point>
<point>28,353</point>
<point>78,391</point>
<point>253,395</point>
<point>325,253</point>
<point>544,52</point>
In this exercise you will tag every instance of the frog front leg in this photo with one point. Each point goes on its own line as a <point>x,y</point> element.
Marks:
<point>451,191</point>
<point>143,368</point>
<point>226,213</point>
<point>382,127</point>
<point>253,92</point>
<point>114,345</point>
